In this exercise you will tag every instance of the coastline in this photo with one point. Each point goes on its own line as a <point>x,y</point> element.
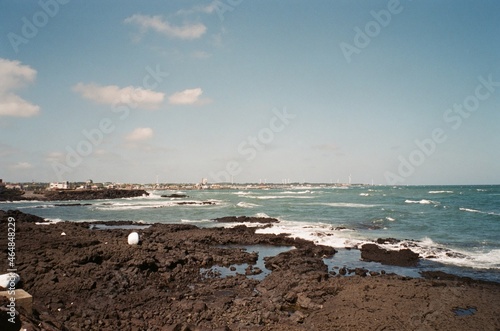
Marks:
<point>93,280</point>
<point>66,195</point>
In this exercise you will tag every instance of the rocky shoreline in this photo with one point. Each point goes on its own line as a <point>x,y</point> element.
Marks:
<point>88,279</point>
<point>65,195</point>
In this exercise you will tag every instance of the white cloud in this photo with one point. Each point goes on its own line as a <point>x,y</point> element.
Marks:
<point>112,94</point>
<point>158,24</point>
<point>21,166</point>
<point>140,134</point>
<point>188,97</point>
<point>14,75</point>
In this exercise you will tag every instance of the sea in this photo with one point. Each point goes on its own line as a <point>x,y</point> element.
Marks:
<point>455,229</point>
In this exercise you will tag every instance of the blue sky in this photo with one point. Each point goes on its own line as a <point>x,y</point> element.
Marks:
<point>398,92</point>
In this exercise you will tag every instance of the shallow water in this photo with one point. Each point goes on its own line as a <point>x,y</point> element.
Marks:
<point>262,250</point>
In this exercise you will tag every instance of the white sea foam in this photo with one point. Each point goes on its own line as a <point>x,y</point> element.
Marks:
<point>439,192</point>
<point>196,221</point>
<point>390,219</point>
<point>428,249</point>
<point>241,193</point>
<point>319,233</point>
<point>246,205</point>
<point>478,211</point>
<point>364,194</point>
<point>422,202</point>
<point>49,221</point>
<point>324,234</point>
<point>471,210</point>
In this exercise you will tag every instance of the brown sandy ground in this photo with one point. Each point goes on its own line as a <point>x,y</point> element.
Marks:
<point>93,280</point>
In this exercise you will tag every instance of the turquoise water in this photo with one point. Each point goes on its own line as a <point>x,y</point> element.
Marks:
<point>452,227</point>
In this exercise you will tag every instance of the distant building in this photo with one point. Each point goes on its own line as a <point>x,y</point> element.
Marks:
<point>14,186</point>
<point>59,186</point>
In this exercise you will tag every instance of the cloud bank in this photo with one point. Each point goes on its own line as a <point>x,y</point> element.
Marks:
<point>112,94</point>
<point>13,76</point>
<point>158,24</point>
<point>140,134</point>
<point>188,97</point>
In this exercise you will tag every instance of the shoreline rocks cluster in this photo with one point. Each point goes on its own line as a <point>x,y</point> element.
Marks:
<point>94,280</point>
<point>64,195</point>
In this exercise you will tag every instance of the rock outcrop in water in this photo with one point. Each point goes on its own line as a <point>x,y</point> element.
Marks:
<point>404,257</point>
<point>93,194</point>
<point>174,195</point>
<point>245,219</point>
<point>63,195</point>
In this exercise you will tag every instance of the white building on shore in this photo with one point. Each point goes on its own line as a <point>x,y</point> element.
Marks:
<point>59,186</point>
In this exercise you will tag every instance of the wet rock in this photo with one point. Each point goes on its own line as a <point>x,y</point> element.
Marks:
<point>72,204</point>
<point>404,257</point>
<point>195,203</point>
<point>245,219</point>
<point>362,272</point>
<point>175,195</point>
<point>93,194</point>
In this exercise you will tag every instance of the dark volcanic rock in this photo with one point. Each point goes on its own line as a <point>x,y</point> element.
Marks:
<point>72,204</point>
<point>175,195</point>
<point>195,203</point>
<point>93,194</point>
<point>11,195</point>
<point>20,216</point>
<point>404,257</point>
<point>94,280</point>
<point>246,219</point>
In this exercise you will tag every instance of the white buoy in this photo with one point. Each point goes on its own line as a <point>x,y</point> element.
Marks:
<point>9,280</point>
<point>133,238</point>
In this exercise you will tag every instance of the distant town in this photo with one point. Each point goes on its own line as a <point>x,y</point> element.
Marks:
<point>202,185</point>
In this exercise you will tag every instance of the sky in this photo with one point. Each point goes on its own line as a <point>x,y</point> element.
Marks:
<point>385,92</point>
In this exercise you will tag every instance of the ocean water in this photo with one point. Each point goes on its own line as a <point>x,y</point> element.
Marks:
<point>454,228</point>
